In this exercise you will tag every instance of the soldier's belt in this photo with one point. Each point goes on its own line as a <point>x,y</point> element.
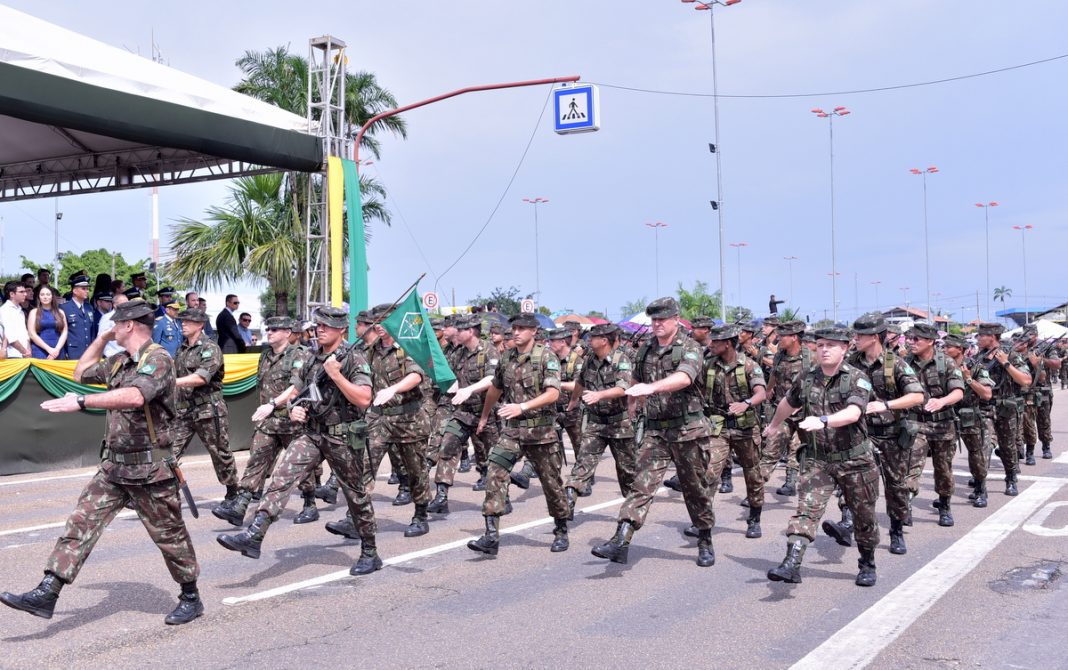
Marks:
<point>604,419</point>
<point>407,408</point>
<point>140,457</point>
<point>884,431</point>
<point>205,399</point>
<point>839,456</point>
<point>336,430</point>
<point>923,417</point>
<point>673,422</point>
<point>530,423</point>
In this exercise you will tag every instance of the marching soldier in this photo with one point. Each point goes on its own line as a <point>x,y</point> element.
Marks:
<point>527,378</point>
<point>1009,373</point>
<point>137,464</point>
<point>833,396</point>
<point>975,414</point>
<point>668,378</point>
<point>791,359</point>
<point>1044,362</point>
<point>201,409</point>
<point>562,342</point>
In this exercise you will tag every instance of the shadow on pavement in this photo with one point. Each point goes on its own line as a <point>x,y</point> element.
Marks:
<point>120,597</point>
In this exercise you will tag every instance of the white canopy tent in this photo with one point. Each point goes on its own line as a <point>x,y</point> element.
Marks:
<point>1047,330</point>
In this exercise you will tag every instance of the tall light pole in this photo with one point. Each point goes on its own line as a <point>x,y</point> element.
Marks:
<point>905,292</point>
<point>714,146</point>
<point>834,307</point>
<point>656,241</point>
<point>986,218</point>
<point>1023,247</point>
<point>926,245</point>
<point>738,246</point>
<point>790,269</point>
<point>837,111</point>
<point>55,257</point>
<point>876,285</point>
<point>537,260</point>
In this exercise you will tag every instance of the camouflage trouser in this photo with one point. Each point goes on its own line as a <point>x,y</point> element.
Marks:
<point>1018,438</point>
<point>1030,426</point>
<point>942,443</point>
<point>214,432</point>
<point>589,455</point>
<point>380,446</point>
<point>571,422</point>
<point>1042,417</point>
<point>980,443</point>
<point>263,454</point>
<point>858,479</point>
<point>484,441</point>
<point>442,414</point>
<point>894,462</point>
<point>160,509</point>
<point>453,442</point>
<point>745,445</point>
<point>348,459</point>
<point>691,460</point>
<point>413,457</point>
<point>1005,431</point>
<point>785,441</point>
<point>547,459</point>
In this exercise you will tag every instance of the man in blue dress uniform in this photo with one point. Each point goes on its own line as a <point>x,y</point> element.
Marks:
<point>167,332</point>
<point>79,315</point>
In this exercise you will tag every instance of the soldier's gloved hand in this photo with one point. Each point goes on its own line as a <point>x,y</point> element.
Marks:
<point>384,396</point>
<point>811,423</point>
<point>298,414</point>
<point>262,412</point>
<point>461,396</point>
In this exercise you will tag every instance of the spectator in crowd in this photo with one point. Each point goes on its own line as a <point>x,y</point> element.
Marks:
<point>773,304</point>
<point>27,281</point>
<point>13,320</point>
<point>103,302</point>
<point>79,317</point>
<point>47,325</point>
<point>243,323</point>
<point>230,340</point>
<point>44,277</point>
<point>139,281</point>
<point>117,287</point>
<point>165,296</point>
<point>107,323</point>
<point>208,329</point>
<point>167,332</point>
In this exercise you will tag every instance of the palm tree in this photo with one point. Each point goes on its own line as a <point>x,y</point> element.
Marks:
<point>1002,292</point>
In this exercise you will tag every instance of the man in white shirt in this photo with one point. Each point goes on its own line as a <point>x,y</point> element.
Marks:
<point>13,320</point>
<point>106,324</point>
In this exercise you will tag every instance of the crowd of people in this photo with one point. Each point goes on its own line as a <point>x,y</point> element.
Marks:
<point>838,409</point>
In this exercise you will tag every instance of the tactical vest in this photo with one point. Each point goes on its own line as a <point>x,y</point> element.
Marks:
<point>837,394</point>
<point>533,384</point>
<point>748,419</point>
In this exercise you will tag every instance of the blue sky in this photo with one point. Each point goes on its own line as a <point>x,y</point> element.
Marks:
<point>1000,137</point>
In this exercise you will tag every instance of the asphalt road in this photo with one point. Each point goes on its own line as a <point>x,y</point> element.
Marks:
<point>988,592</point>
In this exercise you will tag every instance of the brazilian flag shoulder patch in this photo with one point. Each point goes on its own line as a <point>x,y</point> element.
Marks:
<point>864,384</point>
<point>146,369</point>
<point>298,363</point>
<point>205,354</point>
<point>552,364</point>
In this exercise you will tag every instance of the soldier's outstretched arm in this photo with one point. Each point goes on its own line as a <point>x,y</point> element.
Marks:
<point>783,410</point>
<point>92,355</point>
<point>676,381</point>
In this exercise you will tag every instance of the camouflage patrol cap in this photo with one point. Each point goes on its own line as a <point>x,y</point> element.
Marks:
<point>278,323</point>
<point>295,325</point>
<point>132,309</point>
<point>724,332</point>
<point>468,322</point>
<point>603,330</point>
<point>507,333</point>
<point>747,326</point>
<point>559,334</point>
<point>662,308</point>
<point>955,341</point>
<point>437,323</point>
<point>572,325</point>
<point>791,327</point>
<point>451,320</point>
<point>1030,329</point>
<point>496,328</point>
<point>702,322</point>
<point>837,333</point>
<point>331,317</point>
<point>363,316</point>
<point>924,331</point>
<point>771,321</point>
<point>523,320</point>
<point>870,323</point>
<point>809,336</point>
<point>193,315</point>
<point>380,312</point>
<point>995,329</point>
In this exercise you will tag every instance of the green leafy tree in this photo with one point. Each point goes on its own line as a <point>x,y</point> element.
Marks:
<point>699,302</point>
<point>1001,293</point>
<point>790,314</point>
<point>738,313</point>
<point>507,300</point>
<point>102,261</point>
<point>594,314</point>
<point>824,323</point>
<point>633,307</point>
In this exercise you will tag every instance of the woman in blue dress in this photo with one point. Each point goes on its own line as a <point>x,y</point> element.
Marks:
<point>47,325</point>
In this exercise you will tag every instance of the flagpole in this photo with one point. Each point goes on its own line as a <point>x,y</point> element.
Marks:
<point>395,303</point>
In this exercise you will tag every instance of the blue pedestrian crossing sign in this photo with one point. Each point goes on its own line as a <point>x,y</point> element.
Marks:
<point>578,109</point>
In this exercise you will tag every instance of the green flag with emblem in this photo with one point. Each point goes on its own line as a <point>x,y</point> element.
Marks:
<point>409,325</point>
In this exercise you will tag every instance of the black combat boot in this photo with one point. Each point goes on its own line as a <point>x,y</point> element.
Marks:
<point>231,493</point>
<point>980,495</point>
<point>440,503</point>
<point>465,462</point>
<point>1010,485</point>
<point>560,541</point>
<point>1047,453</point>
<point>789,488</point>
<point>672,483</point>
<point>866,563</point>
<point>328,491</point>
<point>692,531</point>
<point>39,602</point>
<point>522,478</point>
<point>842,532</point>
<point>971,482</point>
<point>404,493</point>
<point>369,560</point>
<point>1030,455</point>
<point>897,537</point>
<point>233,512</point>
<point>790,569</point>
<point>419,525</point>
<point>248,542</point>
<point>344,528</point>
<point>588,491</point>
<point>507,504</point>
<point>394,478</point>
<point>945,514</point>
<point>725,483</point>
<point>480,485</point>
<point>310,512</point>
<point>570,494</point>
<point>190,606</point>
<point>706,555</point>
<point>490,540</point>
<point>618,547</point>
<point>753,522</point>
<point>529,471</point>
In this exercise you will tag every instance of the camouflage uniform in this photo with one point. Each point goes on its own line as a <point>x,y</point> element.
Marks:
<point>570,422</point>
<point>137,447</point>
<point>469,367</point>
<point>938,433</point>
<point>1043,403</point>
<point>202,410</point>
<point>442,408</point>
<point>1005,425</point>
<point>607,423</point>
<point>976,418</point>
<point>784,371</point>
<point>725,384</point>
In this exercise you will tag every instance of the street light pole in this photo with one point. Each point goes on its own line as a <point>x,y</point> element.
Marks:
<point>905,292</point>
<point>738,246</point>
<point>537,261</point>
<point>790,268</point>
<point>876,285</point>
<point>1023,247</point>
<point>837,111</point>
<point>656,237</point>
<point>926,244</point>
<point>986,217</point>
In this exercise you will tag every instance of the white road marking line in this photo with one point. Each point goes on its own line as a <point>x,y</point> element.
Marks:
<point>90,472</point>
<point>125,514</point>
<point>404,558</point>
<point>858,643</point>
<point>1035,524</point>
<point>1063,458</point>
